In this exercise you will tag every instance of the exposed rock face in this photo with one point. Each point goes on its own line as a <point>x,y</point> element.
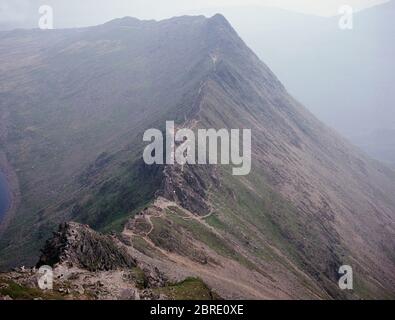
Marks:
<point>88,265</point>
<point>189,187</point>
<point>79,246</point>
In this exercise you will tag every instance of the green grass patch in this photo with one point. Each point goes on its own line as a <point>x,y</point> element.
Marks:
<point>188,289</point>
<point>139,278</point>
<point>19,292</point>
<point>213,241</point>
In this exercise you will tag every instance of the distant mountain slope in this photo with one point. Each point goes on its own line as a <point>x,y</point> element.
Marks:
<point>75,104</point>
<point>345,78</point>
<point>380,143</point>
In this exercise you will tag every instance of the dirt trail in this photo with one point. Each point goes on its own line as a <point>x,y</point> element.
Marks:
<point>150,222</point>
<point>201,270</point>
<point>184,262</point>
<point>164,204</point>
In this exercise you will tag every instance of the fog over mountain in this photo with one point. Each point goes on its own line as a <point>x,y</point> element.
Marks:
<point>75,13</point>
<point>345,77</point>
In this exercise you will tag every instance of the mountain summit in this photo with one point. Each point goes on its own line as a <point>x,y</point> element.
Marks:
<point>74,106</point>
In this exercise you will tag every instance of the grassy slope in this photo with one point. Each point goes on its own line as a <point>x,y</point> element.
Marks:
<point>189,289</point>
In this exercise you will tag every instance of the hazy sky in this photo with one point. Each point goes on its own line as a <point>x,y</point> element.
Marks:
<point>73,13</point>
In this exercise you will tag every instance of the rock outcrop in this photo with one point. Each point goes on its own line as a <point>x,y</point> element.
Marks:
<point>79,246</point>
<point>88,265</point>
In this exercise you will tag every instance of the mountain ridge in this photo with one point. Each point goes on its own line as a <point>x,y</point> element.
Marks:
<point>312,202</point>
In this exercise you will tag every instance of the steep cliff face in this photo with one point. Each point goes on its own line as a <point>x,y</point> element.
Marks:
<point>311,203</point>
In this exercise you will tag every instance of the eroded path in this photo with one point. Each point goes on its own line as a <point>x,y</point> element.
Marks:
<point>225,274</point>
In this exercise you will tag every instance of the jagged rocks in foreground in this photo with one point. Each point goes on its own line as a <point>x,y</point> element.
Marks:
<point>89,265</point>
<point>77,245</point>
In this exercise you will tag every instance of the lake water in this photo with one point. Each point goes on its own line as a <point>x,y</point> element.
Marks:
<point>4,196</point>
